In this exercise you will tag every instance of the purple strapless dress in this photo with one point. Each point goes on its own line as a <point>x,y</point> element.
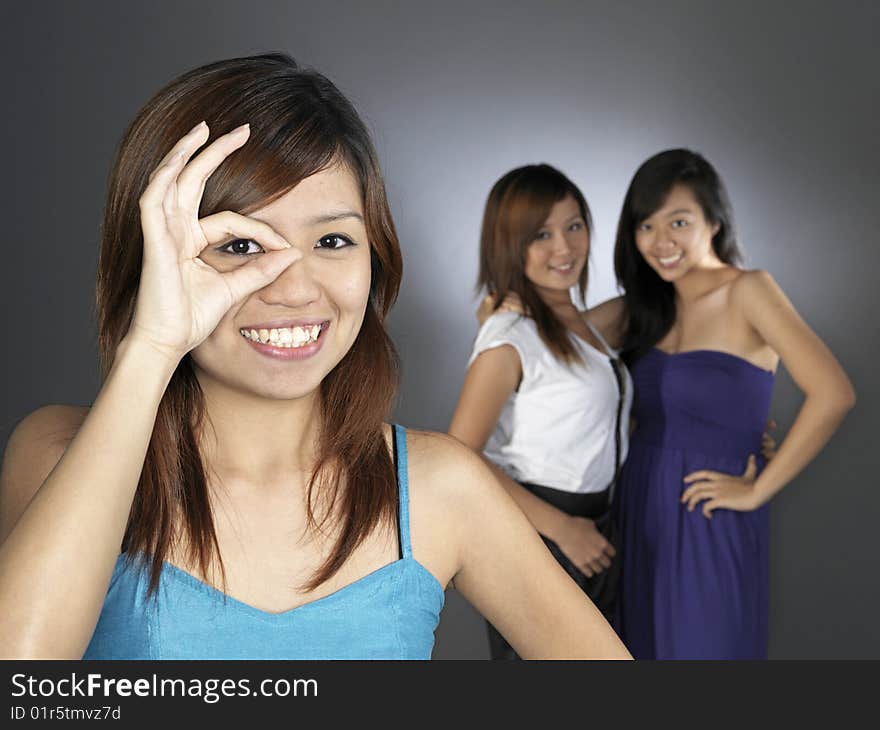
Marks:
<point>692,588</point>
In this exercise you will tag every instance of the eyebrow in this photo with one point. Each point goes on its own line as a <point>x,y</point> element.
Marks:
<point>680,210</point>
<point>333,216</point>
<point>569,220</point>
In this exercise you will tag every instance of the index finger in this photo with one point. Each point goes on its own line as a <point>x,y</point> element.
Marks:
<point>704,474</point>
<point>192,179</point>
<point>228,223</point>
<point>184,147</point>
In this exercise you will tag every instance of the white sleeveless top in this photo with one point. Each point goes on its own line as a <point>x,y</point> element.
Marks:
<point>558,428</point>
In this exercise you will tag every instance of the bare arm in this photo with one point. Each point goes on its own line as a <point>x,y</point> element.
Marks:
<point>828,395</point>
<point>609,318</point>
<point>490,380</point>
<point>506,572</point>
<point>62,532</point>
<point>59,546</point>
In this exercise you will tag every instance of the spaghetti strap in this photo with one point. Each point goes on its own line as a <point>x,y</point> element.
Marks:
<point>402,490</point>
<point>610,351</point>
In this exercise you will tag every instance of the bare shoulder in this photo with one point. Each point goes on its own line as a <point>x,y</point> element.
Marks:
<point>609,318</point>
<point>451,490</point>
<point>450,479</point>
<point>34,448</point>
<point>755,287</point>
<point>752,281</point>
<point>49,426</point>
<point>443,466</point>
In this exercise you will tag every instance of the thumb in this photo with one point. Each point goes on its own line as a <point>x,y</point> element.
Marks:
<point>751,468</point>
<point>260,272</point>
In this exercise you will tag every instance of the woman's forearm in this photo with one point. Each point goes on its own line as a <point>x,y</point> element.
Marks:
<point>545,518</point>
<point>56,563</point>
<point>816,422</point>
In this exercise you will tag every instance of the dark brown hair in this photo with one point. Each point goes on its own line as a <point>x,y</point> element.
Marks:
<point>300,124</point>
<point>517,207</point>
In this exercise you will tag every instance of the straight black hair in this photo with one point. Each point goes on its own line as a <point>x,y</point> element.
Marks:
<point>650,301</point>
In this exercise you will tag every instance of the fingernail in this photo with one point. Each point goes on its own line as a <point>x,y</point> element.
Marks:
<point>197,127</point>
<point>241,128</point>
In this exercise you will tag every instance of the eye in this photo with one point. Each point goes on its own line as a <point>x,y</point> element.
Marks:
<point>241,247</point>
<point>644,227</point>
<point>334,242</point>
<point>542,235</point>
<point>576,226</point>
<point>679,223</point>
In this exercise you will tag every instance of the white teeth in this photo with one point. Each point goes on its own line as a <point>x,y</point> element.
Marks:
<point>283,336</point>
<point>670,259</point>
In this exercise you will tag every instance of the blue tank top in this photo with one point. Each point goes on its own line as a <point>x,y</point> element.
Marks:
<point>389,614</point>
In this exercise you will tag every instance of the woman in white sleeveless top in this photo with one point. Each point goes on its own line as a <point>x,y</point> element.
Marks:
<point>545,399</point>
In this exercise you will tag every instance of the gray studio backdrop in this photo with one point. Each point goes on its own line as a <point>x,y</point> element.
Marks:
<point>781,96</point>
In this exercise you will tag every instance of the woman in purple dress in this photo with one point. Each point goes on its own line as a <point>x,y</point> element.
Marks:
<point>703,339</point>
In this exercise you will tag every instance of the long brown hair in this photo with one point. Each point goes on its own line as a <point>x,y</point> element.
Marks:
<point>517,207</point>
<point>300,124</point>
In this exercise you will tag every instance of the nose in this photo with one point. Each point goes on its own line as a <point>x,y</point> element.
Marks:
<point>561,245</point>
<point>662,241</point>
<point>295,287</point>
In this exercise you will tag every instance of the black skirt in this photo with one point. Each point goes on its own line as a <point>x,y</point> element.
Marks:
<point>601,588</point>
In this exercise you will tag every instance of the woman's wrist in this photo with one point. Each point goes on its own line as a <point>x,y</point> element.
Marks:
<point>561,527</point>
<point>153,365</point>
<point>760,497</point>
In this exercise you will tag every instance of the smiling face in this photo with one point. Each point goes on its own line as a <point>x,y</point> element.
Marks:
<point>558,253</point>
<point>676,237</point>
<point>284,339</point>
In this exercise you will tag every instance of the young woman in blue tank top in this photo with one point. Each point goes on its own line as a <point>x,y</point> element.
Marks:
<point>234,490</point>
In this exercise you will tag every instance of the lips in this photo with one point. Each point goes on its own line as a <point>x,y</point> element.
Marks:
<point>286,340</point>
<point>668,262</point>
